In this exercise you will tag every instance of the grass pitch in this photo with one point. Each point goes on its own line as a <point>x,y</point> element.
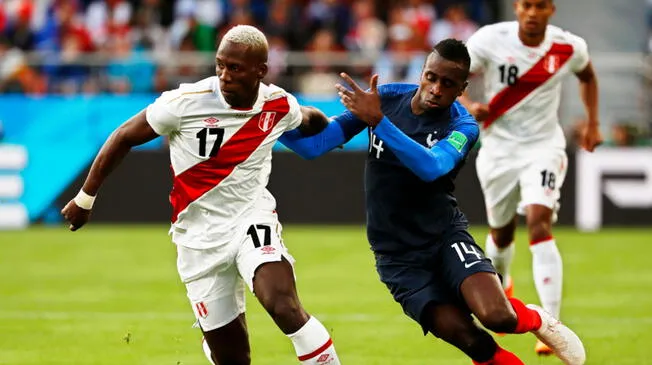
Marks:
<point>110,295</point>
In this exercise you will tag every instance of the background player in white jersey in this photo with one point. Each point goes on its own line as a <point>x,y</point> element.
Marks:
<point>224,223</point>
<point>522,161</point>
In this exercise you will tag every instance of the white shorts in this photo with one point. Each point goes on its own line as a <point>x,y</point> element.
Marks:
<point>215,277</point>
<point>511,184</point>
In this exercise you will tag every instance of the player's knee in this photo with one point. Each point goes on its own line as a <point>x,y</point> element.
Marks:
<point>283,306</point>
<point>504,236</point>
<point>539,229</point>
<point>539,222</point>
<point>503,240</point>
<point>502,320</point>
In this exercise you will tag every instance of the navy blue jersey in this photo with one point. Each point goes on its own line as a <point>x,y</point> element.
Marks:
<point>403,210</point>
<point>412,162</point>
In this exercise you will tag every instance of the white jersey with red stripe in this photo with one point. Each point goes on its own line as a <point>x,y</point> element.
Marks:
<point>221,156</point>
<point>523,85</point>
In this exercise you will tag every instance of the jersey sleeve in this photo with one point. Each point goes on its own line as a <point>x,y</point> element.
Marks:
<point>478,46</point>
<point>580,53</point>
<point>431,164</point>
<point>163,115</point>
<point>294,115</point>
<point>463,134</point>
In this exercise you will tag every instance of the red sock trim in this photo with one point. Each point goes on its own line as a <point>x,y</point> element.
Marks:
<point>501,357</point>
<point>490,361</point>
<point>321,349</point>
<point>526,319</point>
<point>536,242</point>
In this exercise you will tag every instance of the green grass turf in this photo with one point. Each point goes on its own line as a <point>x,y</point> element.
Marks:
<point>110,295</point>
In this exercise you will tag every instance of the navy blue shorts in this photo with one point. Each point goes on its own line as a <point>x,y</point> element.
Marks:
<point>433,274</point>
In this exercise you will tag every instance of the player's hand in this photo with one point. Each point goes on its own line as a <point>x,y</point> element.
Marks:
<point>363,104</point>
<point>479,111</point>
<point>75,215</point>
<point>591,137</point>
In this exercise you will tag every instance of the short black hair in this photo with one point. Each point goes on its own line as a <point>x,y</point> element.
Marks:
<point>454,50</point>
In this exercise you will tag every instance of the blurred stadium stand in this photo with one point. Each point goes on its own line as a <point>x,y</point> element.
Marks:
<point>148,46</point>
<point>98,61</point>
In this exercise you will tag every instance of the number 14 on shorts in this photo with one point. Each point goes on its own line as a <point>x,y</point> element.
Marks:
<point>465,252</point>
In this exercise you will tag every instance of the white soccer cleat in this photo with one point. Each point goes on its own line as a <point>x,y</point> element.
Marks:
<point>561,339</point>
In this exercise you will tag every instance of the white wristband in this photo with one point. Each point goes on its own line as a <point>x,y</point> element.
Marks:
<point>84,200</point>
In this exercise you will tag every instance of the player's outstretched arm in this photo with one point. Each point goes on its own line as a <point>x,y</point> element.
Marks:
<point>591,136</point>
<point>313,121</point>
<point>427,164</point>
<point>334,134</point>
<point>430,164</point>
<point>134,132</point>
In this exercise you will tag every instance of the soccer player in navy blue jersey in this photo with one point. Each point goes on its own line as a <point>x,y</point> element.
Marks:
<point>419,139</point>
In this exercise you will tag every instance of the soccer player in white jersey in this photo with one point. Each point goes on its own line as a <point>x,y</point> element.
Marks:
<point>522,160</point>
<point>221,132</point>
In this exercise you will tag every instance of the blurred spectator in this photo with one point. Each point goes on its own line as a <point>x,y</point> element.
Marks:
<point>333,15</point>
<point>15,75</point>
<point>186,67</point>
<point>455,24</point>
<point>283,21</point>
<point>69,27</point>
<point>241,15</point>
<point>368,33</point>
<point>404,58</point>
<point>18,25</point>
<point>109,45</point>
<point>148,32</point>
<point>67,43</point>
<point>3,20</point>
<point>277,62</point>
<point>199,19</point>
<point>71,73</point>
<point>208,14</point>
<point>419,15</point>
<point>129,70</point>
<point>108,18</point>
<point>321,77</point>
<point>482,11</point>
<point>257,9</point>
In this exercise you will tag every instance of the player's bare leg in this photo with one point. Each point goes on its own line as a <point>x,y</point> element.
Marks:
<point>484,295</point>
<point>229,345</point>
<point>486,300</point>
<point>456,327</point>
<point>275,288</point>
<point>500,249</point>
<point>547,266</point>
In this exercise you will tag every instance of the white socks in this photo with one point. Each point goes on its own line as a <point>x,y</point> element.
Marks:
<point>548,272</point>
<point>313,344</point>
<point>500,257</point>
<point>546,269</point>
